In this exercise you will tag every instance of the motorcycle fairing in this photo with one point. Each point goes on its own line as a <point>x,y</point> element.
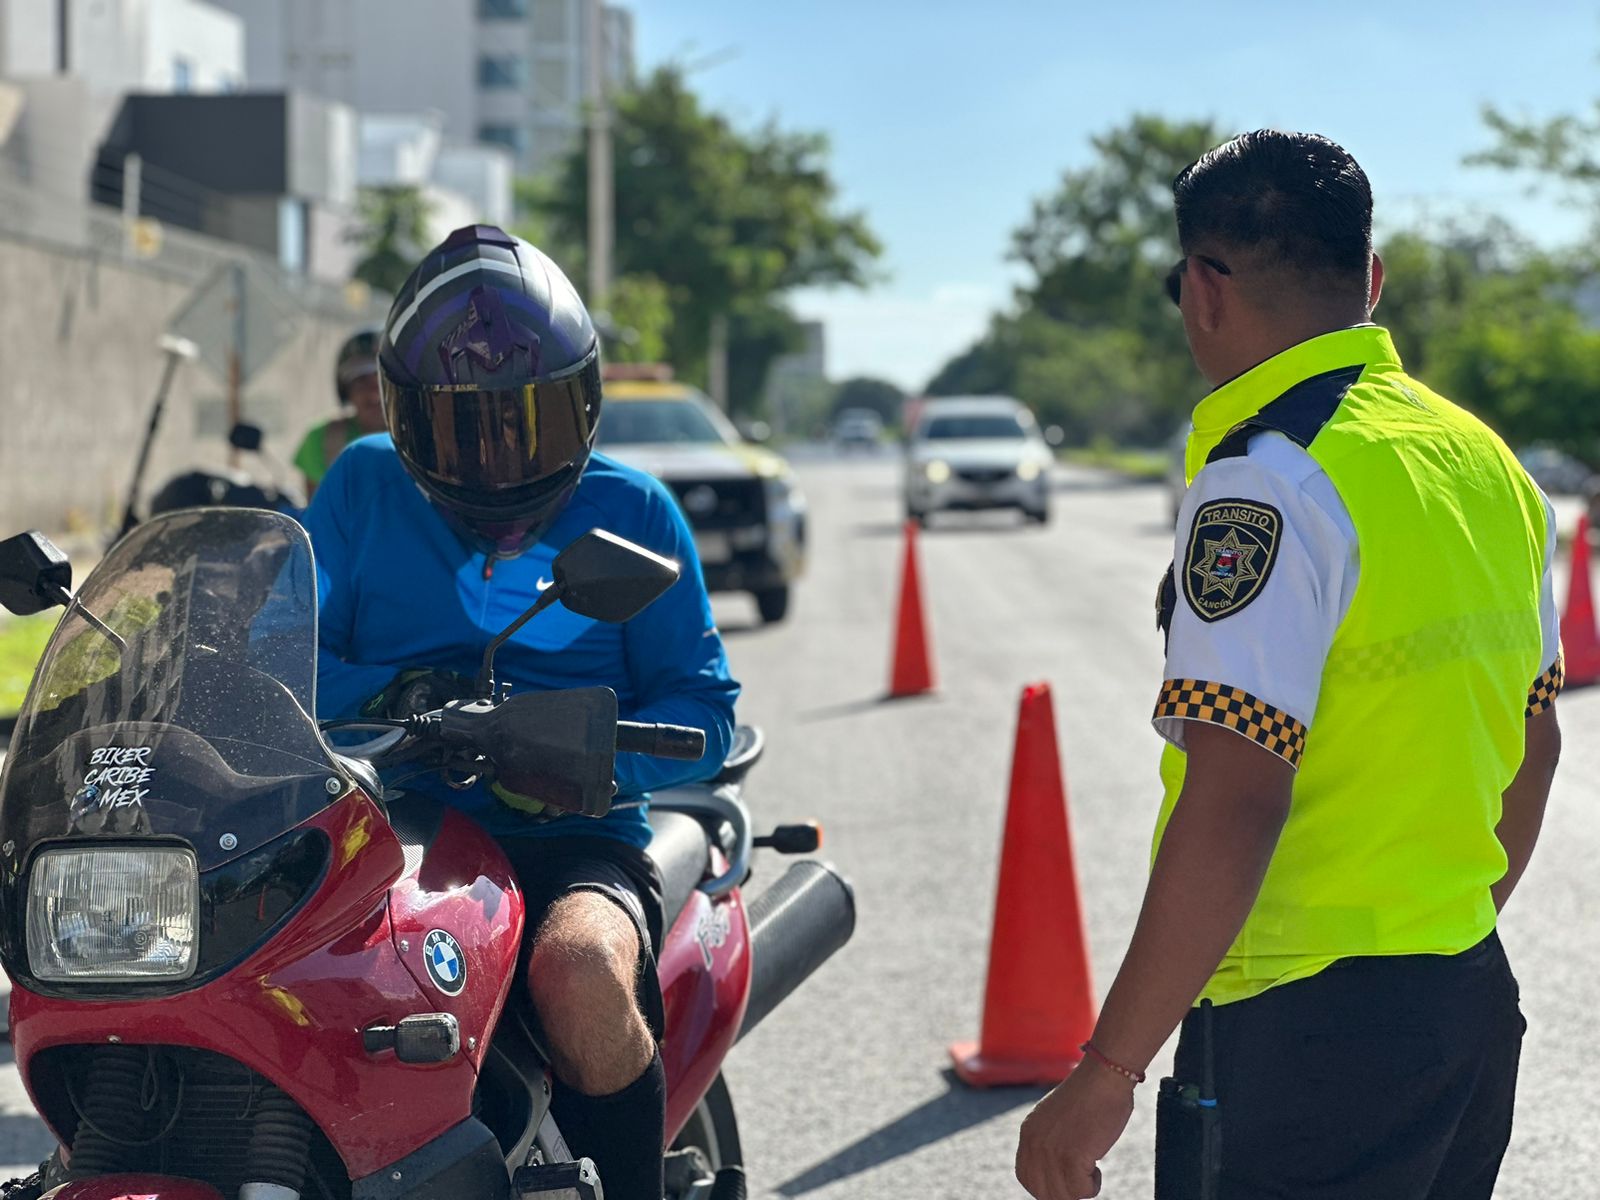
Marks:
<point>704,967</point>
<point>456,882</point>
<point>195,726</point>
<point>293,1012</point>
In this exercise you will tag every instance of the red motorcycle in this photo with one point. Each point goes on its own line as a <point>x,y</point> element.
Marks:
<point>242,968</point>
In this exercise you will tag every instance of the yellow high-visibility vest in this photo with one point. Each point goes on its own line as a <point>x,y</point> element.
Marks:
<point>1389,847</point>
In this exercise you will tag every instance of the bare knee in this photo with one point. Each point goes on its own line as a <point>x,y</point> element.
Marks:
<point>581,975</point>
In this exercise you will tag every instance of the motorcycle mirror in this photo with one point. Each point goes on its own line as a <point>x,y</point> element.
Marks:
<point>34,574</point>
<point>599,576</point>
<point>607,578</point>
<point>245,436</point>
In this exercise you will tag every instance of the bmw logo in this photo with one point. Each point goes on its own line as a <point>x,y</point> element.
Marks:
<point>447,965</point>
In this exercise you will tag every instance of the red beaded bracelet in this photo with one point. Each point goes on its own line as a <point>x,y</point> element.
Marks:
<point>1125,1072</point>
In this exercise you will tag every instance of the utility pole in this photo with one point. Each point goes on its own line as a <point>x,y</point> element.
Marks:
<point>601,176</point>
<point>717,361</point>
<point>132,182</point>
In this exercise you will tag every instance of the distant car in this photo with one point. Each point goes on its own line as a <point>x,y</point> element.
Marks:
<point>1558,473</point>
<point>976,452</point>
<point>742,500</point>
<point>858,427</point>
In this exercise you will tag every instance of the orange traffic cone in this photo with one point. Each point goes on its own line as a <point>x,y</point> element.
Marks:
<point>912,671</point>
<point>1580,643</point>
<point>1038,1005</point>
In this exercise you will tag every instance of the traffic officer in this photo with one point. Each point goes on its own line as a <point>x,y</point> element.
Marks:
<point>1362,664</point>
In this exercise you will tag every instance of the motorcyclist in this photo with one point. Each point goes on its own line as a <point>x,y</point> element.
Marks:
<point>355,378</point>
<point>430,540</point>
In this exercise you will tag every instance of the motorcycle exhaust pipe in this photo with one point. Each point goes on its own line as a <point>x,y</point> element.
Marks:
<point>796,925</point>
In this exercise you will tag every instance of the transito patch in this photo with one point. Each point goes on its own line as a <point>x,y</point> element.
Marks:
<point>1232,547</point>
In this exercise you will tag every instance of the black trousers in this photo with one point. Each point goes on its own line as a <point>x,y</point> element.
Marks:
<point>1378,1079</point>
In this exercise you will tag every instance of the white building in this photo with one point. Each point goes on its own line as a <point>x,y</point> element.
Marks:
<point>66,64</point>
<point>797,383</point>
<point>118,46</point>
<point>510,73</point>
<point>483,174</point>
<point>462,185</point>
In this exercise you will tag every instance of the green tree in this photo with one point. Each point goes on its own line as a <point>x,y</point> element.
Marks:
<point>727,219</point>
<point>533,197</point>
<point>1563,151</point>
<point>759,331</point>
<point>988,367</point>
<point>1520,351</point>
<point>640,310</point>
<point>1097,250</point>
<point>879,395</point>
<point>1096,382</point>
<point>1429,277</point>
<point>392,234</point>
<point>1520,355</point>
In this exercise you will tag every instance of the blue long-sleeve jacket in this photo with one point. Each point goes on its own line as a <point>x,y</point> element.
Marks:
<point>397,590</point>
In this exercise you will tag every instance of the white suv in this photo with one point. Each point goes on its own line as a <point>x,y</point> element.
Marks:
<point>972,452</point>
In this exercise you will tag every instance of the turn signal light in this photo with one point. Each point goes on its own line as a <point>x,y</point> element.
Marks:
<point>793,839</point>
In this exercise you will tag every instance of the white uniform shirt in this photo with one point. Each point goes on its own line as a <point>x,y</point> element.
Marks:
<point>1273,647</point>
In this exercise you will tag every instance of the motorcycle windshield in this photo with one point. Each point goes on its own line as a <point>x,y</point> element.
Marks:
<point>200,727</point>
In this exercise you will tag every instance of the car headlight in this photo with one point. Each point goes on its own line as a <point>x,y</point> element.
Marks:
<point>936,471</point>
<point>782,494</point>
<point>113,913</point>
<point>1028,471</point>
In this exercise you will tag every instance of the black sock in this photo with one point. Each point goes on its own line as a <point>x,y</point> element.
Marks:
<point>621,1132</point>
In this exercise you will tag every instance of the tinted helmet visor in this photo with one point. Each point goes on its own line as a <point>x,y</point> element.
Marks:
<point>496,454</point>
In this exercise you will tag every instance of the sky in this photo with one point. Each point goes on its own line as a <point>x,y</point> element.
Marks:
<point>947,119</point>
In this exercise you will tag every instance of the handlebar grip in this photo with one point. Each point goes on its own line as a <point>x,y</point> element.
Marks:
<point>661,741</point>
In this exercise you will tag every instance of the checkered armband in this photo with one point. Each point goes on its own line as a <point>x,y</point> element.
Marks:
<point>1235,709</point>
<point>1547,687</point>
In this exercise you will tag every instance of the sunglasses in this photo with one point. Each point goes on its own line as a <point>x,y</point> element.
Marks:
<point>1175,276</point>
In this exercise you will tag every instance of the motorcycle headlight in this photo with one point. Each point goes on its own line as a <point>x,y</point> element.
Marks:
<point>114,913</point>
<point>937,471</point>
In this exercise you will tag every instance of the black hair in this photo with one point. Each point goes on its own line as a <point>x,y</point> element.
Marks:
<point>1291,202</point>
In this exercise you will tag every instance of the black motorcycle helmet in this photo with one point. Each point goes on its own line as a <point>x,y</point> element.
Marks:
<point>357,357</point>
<point>490,371</point>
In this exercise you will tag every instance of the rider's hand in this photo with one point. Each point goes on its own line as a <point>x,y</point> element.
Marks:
<point>1070,1130</point>
<point>523,804</point>
<point>418,690</point>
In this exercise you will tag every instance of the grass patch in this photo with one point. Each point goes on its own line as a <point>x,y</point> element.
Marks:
<point>21,643</point>
<point>1135,464</point>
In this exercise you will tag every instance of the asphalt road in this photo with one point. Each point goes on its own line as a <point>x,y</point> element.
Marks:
<point>844,1091</point>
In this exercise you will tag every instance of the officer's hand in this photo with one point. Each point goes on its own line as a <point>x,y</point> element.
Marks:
<point>1070,1130</point>
<point>418,690</point>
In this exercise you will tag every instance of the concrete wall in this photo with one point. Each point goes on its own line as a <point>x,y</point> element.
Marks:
<point>81,367</point>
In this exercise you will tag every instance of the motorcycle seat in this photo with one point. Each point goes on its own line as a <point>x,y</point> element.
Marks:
<point>748,743</point>
<point>682,853</point>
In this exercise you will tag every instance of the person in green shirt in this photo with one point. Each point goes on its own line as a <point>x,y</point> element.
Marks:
<point>355,375</point>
